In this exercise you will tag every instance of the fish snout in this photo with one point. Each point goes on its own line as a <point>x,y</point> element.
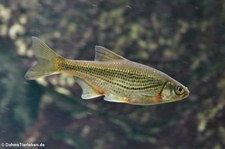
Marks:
<point>186,92</point>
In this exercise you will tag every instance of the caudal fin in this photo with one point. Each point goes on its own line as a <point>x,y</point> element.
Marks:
<point>46,60</point>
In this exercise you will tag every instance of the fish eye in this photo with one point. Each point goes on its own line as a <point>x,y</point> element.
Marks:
<point>179,90</point>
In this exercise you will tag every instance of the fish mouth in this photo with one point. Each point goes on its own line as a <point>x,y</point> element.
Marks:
<point>186,94</point>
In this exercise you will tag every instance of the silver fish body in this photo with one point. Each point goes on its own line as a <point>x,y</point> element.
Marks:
<point>110,75</point>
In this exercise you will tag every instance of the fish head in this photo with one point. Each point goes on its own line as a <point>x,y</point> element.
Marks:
<point>174,91</point>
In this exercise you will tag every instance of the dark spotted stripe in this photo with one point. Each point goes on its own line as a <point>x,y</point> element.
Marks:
<point>127,80</point>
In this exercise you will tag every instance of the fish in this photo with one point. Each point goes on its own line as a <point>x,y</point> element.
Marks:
<point>110,75</point>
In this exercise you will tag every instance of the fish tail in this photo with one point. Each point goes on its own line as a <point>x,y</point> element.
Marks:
<point>47,59</point>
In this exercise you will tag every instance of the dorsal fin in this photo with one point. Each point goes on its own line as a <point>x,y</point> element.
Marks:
<point>103,54</point>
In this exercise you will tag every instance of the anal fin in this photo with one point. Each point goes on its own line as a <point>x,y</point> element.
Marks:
<point>88,91</point>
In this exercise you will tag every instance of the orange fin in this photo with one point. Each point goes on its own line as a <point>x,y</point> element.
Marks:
<point>158,98</point>
<point>88,91</point>
<point>155,98</point>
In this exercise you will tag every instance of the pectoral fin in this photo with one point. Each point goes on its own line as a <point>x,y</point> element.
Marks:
<point>88,91</point>
<point>154,98</point>
<point>113,98</point>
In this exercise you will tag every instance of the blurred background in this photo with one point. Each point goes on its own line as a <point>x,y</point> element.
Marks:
<point>183,38</point>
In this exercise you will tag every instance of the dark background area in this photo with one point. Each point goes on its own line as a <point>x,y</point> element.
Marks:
<point>183,38</point>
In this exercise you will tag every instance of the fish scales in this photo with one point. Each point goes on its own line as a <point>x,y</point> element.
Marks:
<point>110,75</point>
<point>123,76</point>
